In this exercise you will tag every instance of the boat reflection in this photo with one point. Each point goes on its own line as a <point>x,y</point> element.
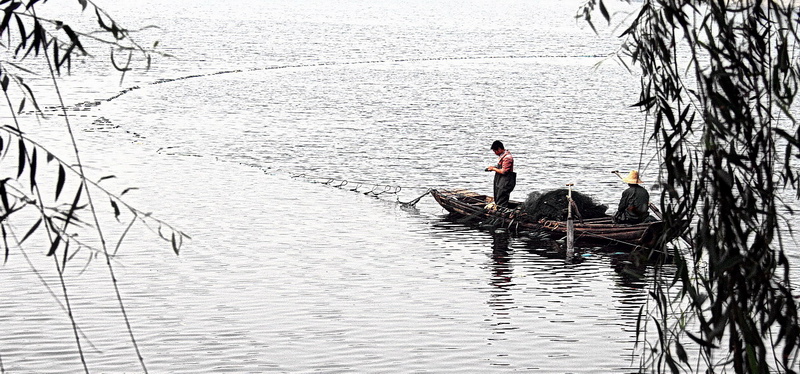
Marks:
<point>530,291</point>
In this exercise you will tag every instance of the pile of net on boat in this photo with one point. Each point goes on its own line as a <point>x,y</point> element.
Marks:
<point>552,205</point>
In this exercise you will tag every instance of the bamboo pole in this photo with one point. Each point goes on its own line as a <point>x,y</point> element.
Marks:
<point>570,227</point>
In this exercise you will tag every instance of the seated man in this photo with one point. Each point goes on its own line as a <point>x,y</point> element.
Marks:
<point>635,201</point>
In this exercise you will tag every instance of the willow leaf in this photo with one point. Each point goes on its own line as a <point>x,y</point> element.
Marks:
<point>21,164</point>
<point>175,245</point>
<point>100,20</point>
<point>62,176</point>
<point>4,195</point>
<point>21,27</point>
<point>66,252</point>
<point>116,209</point>
<point>70,214</point>
<point>33,169</point>
<point>31,231</point>
<point>30,92</point>
<point>701,341</point>
<point>681,352</point>
<point>54,245</point>
<point>128,190</point>
<point>604,11</point>
<point>5,243</point>
<point>55,57</point>
<point>9,11</point>
<point>74,38</point>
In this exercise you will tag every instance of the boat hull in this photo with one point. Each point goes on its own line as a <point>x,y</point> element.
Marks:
<point>469,206</point>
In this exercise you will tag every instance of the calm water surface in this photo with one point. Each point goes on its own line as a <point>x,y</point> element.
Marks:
<point>230,141</point>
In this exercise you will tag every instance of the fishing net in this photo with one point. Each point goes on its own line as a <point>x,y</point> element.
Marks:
<point>552,205</point>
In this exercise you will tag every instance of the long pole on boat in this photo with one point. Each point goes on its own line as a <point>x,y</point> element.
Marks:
<point>570,227</point>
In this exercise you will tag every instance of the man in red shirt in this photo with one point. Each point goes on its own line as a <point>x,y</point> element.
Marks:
<point>505,179</point>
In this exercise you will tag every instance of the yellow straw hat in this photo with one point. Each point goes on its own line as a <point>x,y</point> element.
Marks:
<point>632,178</point>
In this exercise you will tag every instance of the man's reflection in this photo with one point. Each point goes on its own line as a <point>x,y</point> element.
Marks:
<point>501,257</point>
<point>500,298</point>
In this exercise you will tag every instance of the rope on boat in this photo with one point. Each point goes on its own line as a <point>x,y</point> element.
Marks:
<point>635,246</point>
<point>554,225</point>
<point>414,202</point>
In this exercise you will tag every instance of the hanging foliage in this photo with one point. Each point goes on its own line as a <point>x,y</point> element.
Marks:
<point>719,79</point>
<point>51,200</point>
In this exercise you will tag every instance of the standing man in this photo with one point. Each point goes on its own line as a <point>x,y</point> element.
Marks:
<point>505,179</point>
<point>635,202</point>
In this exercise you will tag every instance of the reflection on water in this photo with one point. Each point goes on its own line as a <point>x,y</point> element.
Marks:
<point>555,306</point>
<point>501,299</point>
<point>631,270</point>
<point>347,282</point>
<point>502,270</point>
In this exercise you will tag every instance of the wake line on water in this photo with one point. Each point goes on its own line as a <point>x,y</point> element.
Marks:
<point>365,187</point>
<point>325,64</point>
<point>87,105</point>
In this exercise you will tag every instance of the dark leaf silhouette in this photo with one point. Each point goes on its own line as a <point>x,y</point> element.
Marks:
<point>718,83</point>
<point>31,230</point>
<point>4,196</point>
<point>54,245</point>
<point>38,49</point>
<point>5,243</point>
<point>33,169</point>
<point>62,176</point>
<point>74,38</point>
<point>128,190</point>
<point>69,216</point>
<point>116,209</point>
<point>175,244</point>
<point>22,158</point>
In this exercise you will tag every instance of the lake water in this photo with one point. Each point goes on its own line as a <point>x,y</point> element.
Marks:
<point>232,140</point>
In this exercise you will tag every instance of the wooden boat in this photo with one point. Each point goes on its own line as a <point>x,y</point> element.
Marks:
<point>469,206</point>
